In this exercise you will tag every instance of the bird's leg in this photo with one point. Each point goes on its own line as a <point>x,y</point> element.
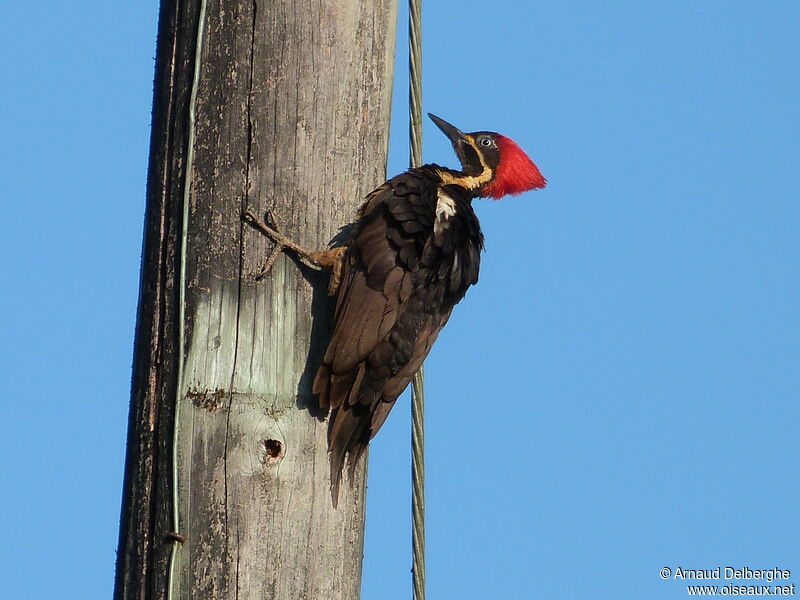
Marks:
<point>329,259</point>
<point>281,241</point>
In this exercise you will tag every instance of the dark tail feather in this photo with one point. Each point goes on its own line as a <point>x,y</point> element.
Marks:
<point>321,386</point>
<point>355,455</point>
<point>349,433</point>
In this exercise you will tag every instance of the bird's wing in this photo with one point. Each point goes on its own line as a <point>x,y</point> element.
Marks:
<point>398,382</point>
<point>376,284</point>
<point>374,334</point>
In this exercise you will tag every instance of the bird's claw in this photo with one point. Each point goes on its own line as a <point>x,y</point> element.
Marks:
<point>268,227</point>
<point>269,219</point>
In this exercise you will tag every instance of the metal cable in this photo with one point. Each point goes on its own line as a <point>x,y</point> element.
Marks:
<point>418,479</point>
<point>417,390</point>
<point>177,538</point>
<point>415,80</point>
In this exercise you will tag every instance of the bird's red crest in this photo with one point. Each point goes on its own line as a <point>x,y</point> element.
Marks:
<point>515,173</point>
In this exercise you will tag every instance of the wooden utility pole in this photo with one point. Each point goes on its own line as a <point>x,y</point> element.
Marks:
<point>282,106</point>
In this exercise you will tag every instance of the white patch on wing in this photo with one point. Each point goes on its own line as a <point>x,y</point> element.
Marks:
<point>445,208</point>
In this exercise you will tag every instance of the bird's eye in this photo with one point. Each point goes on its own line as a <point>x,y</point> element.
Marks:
<point>485,142</point>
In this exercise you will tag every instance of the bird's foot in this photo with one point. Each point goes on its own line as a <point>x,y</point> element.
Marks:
<point>330,259</point>
<point>282,243</point>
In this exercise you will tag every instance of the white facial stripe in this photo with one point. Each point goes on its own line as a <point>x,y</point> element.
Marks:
<point>471,182</point>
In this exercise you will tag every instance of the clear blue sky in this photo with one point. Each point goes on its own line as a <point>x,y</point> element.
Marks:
<point>618,394</point>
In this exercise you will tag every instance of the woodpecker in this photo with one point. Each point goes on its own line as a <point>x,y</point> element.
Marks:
<point>414,252</point>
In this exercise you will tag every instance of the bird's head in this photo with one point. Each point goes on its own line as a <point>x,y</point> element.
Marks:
<point>492,164</point>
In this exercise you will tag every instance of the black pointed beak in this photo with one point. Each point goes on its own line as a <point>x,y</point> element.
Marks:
<point>455,135</point>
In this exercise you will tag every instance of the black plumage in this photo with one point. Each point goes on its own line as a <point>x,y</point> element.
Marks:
<point>414,252</point>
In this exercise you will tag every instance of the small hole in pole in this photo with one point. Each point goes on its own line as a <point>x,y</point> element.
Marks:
<point>274,448</point>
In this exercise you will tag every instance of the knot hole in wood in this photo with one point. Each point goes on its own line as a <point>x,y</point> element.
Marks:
<point>275,450</point>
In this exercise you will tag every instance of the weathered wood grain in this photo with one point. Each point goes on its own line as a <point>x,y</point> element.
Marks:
<point>292,115</point>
